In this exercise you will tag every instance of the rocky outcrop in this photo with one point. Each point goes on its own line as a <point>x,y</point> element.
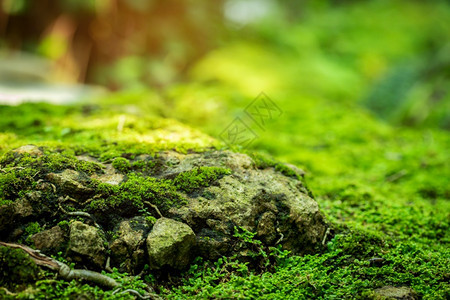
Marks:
<point>161,209</point>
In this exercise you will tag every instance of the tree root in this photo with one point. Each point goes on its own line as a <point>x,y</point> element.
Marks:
<point>136,293</point>
<point>78,214</point>
<point>64,270</point>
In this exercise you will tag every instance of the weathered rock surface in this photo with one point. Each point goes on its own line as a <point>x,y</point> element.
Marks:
<point>200,220</point>
<point>127,249</point>
<point>265,201</point>
<point>86,244</point>
<point>28,149</point>
<point>169,244</point>
<point>391,292</point>
<point>50,240</point>
<point>71,182</point>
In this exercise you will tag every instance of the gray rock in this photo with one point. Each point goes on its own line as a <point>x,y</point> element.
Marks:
<point>50,240</point>
<point>22,208</point>
<point>12,214</point>
<point>127,249</point>
<point>169,244</point>
<point>265,201</point>
<point>86,244</point>
<point>109,176</point>
<point>28,149</point>
<point>71,182</point>
<point>391,292</point>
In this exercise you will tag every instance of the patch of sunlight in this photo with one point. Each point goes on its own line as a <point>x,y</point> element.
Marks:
<point>260,72</point>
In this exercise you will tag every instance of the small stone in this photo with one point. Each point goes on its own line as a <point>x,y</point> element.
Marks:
<point>391,292</point>
<point>126,249</point>
<point>169,244</point>
<point>29,149</point>
<point>86,243</point>
<point>70,181</point>
<point>22,208</point>
<point>109,176</point>
<point>49,240</point>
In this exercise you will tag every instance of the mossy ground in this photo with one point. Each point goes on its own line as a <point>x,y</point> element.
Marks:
<point>376,210</point>
<point>383,187</point>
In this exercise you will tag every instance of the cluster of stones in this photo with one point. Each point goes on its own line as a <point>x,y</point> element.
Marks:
<point>276,207</point>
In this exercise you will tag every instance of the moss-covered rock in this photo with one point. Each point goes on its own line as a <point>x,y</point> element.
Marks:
<point>170,244</point>
<point>86,244</point>
<point>212,192</point>
<point>128,244</point>
<point>50,241</point>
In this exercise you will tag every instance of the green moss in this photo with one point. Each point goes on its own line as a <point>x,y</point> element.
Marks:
<point>84,130</point>
<point>135,191</point>
<point>16,267</point>
<point>20,172</point>
<point>199,177</point>
<point>144,166</point>
<point>32,228</point>
<point>264,161</point>
<point>121,164</point>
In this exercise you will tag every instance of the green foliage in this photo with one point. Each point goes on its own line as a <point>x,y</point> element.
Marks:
<point>262,161</point>
<point>135,191</point>
<point>60,289</point>
<point>198,177</point>
<point>33,228</point>
<point>122,164</point>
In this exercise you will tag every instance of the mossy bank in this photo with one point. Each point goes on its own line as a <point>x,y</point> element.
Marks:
<point>96,187</point>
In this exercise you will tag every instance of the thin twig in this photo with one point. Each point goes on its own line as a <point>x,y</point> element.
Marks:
<point>79,214</point>
<point>281,234</point>
<point>155,208</point>
<point>90,200</point>
<point>327,232</point>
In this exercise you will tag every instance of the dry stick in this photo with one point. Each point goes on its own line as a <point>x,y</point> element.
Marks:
<point>155,208</point>
<point>64,270</point>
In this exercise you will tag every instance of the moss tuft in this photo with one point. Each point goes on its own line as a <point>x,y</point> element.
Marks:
<point>199,177</point>
<point>121,164</point>
<point>132,194</point>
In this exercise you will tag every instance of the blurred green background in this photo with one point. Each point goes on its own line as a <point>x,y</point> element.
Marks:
<point>390,57</point>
